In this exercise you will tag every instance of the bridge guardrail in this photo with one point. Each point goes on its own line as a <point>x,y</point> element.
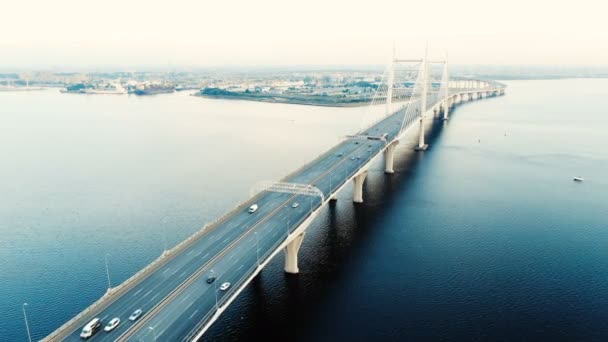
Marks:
<point>116,292</point>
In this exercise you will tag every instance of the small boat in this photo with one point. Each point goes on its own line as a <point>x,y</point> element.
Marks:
<point>579,179</point>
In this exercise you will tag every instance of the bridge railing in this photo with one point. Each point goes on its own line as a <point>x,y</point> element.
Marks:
<point>116,292</point>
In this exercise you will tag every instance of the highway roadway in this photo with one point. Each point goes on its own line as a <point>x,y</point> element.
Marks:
<point>176,297</point>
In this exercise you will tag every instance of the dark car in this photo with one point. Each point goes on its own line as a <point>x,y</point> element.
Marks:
<point>211,279</point>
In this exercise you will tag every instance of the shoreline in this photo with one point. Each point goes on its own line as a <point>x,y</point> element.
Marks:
<point>286,100</point>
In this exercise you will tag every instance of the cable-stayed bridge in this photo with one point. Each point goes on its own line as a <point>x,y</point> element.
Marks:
<point>178,302</point>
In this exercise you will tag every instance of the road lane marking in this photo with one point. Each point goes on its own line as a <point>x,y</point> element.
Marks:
<point>199,253</point>
<point>185,298</point>
<point>156,295</point>
<point>168,269</point>
<point>136,293</point>
<point>206,255</point>
<point>181,275</point>
<point>194,313</point>
<point>240,267</point>
<point>147,293</point>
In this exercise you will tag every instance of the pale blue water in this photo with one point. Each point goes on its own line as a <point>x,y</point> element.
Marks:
<point>484,236</point>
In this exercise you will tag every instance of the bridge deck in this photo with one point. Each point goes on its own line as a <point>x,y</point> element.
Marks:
<point>175,295</point>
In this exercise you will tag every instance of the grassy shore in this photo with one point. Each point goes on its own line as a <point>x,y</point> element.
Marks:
<point>313,100</point>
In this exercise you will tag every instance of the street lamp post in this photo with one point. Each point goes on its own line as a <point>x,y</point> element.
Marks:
<point>165,237</point>
<point>153,333</point>
<point>311,204</point>
<point>257,251</point>
<point>27,326</point>
<point>107,271</point>
<point>215,288</point>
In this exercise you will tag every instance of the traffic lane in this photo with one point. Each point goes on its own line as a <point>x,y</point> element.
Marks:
<point>327,161</point>
<point>267,242</point>
<point>324,162</point>
<point>155,288</point>
<point>341,172</point>
<point>344,148</point>
<point>198,274</point>
<point>179,323</point>
<point>309,174</point>
<point>231,267</point>
<point>232,259</point>
<point>199,291</point>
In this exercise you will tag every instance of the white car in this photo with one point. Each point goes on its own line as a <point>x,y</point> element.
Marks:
<point>295,205</point>
<point>113,324</point>
<point>135,315</point>
<point>225,286</point>
<point>91,328</point>
<point>253,208</point>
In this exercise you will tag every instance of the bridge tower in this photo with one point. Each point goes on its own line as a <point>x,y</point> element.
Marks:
<point>425,74</point>
<point>389,83</point>
<point>446,78</point>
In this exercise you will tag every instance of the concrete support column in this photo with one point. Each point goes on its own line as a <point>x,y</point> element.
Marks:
<point>291,254</point>
<point>421,145</point>
<point>358,182</point>
<point>389,154</point>
<point>446,105</point>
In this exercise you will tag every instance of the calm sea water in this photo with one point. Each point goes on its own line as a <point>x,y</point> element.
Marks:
<point>483,237</point>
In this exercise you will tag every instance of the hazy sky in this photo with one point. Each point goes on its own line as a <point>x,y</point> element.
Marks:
<point>80,33</point>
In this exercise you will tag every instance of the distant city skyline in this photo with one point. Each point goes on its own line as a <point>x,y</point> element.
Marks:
<point>78,35</point>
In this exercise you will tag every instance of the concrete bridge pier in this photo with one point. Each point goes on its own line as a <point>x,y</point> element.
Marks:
<point>446,109</point>
<point>358,182</point>
<point>389,157</point>
<point>291,254</point>
<point>421,145</point>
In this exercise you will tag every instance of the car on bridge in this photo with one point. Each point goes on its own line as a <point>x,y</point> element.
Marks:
<point>253,208</point>
<point>91,328</point>
<point>225,286</point>
<point>211,278</point>
<point>112,325</point>
<point>295,205</point>
<point>135,315</point>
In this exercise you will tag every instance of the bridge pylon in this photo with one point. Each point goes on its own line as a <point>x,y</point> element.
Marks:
<point>421,145</point>
<point>389,83</point>
<point>446,82</point>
